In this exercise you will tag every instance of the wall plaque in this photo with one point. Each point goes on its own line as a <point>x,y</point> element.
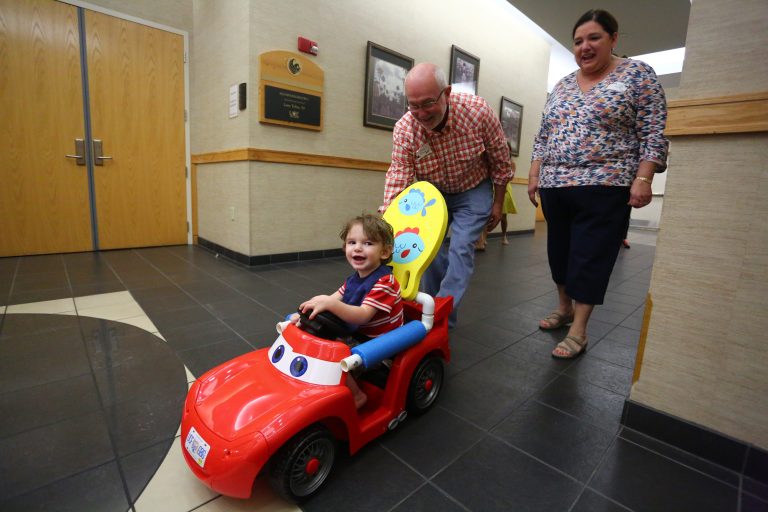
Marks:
<point>291,90</point>
<point>291,106</point>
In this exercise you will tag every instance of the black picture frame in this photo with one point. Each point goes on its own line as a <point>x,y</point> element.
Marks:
<point>385,101</point>
<point>511,117</point>
<point>465,71</point>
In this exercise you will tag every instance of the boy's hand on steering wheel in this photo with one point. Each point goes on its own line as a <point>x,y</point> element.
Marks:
<point>317,304</point>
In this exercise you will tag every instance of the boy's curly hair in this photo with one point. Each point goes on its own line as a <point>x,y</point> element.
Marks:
<point>375,228</point>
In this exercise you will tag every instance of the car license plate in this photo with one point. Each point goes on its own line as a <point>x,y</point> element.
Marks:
<point>197,447</point>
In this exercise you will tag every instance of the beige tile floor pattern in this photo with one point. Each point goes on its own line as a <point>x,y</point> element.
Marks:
<point>173,488</point>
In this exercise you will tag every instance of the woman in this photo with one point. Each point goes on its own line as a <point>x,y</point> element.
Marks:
<point>600,142</point>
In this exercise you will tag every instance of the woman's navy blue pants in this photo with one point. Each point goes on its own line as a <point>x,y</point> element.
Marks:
<point>585,228</point>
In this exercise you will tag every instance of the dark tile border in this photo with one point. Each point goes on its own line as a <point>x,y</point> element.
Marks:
<point>682,457</point>
<point>512,233</point>
<point>267,259</point>
<point>286,257</point>
<point>713,446</point>
<point>228,253</point>
<point>757,465</point>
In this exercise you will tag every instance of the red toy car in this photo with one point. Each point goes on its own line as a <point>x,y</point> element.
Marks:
<point>282,410</point>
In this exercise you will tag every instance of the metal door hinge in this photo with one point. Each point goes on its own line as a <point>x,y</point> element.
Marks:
<point>187,226</point>
<point>185,115</point>
<point>186,171</point>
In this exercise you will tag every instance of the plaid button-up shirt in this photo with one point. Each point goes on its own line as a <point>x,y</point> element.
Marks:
<point>470,148</point>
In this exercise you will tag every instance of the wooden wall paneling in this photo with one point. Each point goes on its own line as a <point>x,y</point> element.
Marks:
<point>296,158</point>
<point>741,113</point>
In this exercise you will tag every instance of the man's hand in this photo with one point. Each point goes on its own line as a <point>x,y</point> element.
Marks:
<point>494,218</point>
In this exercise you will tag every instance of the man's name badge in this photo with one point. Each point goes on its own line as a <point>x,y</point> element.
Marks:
<point>423,151</point>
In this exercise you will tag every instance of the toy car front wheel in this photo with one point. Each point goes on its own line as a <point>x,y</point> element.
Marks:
<point>300,467</point>
<point>426,383</point>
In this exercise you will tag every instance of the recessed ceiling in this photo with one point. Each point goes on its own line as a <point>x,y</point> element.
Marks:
<point>645,26</point>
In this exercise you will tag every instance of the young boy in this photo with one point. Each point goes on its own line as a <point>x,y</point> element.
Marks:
<point>370,298</point>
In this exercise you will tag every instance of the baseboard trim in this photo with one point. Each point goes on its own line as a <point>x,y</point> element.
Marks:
<point>738,456</point>
<point>512,233</point>
<point>267,259</point>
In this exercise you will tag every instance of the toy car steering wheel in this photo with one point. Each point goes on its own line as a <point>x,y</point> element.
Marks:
<point>325,325</point>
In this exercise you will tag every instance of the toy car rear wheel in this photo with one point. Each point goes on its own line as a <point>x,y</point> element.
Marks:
<point>426,383</point>
<point>302,465</point>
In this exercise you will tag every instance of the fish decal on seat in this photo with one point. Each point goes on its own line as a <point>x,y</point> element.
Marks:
<point>413,203</point>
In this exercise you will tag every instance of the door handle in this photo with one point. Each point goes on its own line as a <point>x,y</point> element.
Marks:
<point>98,151</point>
<point>79,155</point>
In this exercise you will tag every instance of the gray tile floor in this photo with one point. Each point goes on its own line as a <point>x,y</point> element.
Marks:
<point>513,430</point>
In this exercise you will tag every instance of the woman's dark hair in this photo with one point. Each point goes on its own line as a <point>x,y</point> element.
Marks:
<point>604,18</point>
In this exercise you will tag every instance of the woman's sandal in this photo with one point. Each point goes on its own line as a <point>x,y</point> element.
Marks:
<point>571,347</point>
<point>555,320</point>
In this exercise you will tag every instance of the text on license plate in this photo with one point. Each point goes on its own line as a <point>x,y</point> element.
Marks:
<point>197,447</point>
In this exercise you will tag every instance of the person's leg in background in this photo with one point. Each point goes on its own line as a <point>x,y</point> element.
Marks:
<point>482,241</point>
<point>504,240</point>
<point>509,208</point>
<point>625,242</point>
<point>452,268</point>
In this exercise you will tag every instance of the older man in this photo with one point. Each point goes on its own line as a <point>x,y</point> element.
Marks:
<point>454,141</point>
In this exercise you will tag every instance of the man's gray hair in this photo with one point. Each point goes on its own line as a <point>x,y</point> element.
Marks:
<point>437,73</point>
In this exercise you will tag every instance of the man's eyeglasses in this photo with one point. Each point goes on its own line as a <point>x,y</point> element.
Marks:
<point>427,104</point>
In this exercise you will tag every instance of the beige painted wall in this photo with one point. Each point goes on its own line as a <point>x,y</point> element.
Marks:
<point>303,208</point>
<point>725,48</point>
<point>706,352</point>
<point>226,45</point>
<point>224,204</point>
<point>220,58</point>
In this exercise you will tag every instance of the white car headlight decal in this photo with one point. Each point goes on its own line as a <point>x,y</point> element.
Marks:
<point>303,367</point>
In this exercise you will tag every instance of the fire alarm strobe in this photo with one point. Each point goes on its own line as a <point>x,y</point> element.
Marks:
<point>307,46</point>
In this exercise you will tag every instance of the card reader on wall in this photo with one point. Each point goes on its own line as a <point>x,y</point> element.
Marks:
<point>241,96</point>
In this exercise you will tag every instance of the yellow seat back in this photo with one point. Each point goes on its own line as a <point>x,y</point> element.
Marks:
<point>419,217</point>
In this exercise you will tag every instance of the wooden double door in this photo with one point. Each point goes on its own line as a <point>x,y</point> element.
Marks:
<point>67,73</point>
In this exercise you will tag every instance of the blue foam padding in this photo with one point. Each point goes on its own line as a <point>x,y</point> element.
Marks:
<point>387,345</point>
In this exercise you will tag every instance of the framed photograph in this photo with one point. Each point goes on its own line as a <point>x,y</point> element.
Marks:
<point>385,72</point>
<point>465,71</point>
<point>511,116</point>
